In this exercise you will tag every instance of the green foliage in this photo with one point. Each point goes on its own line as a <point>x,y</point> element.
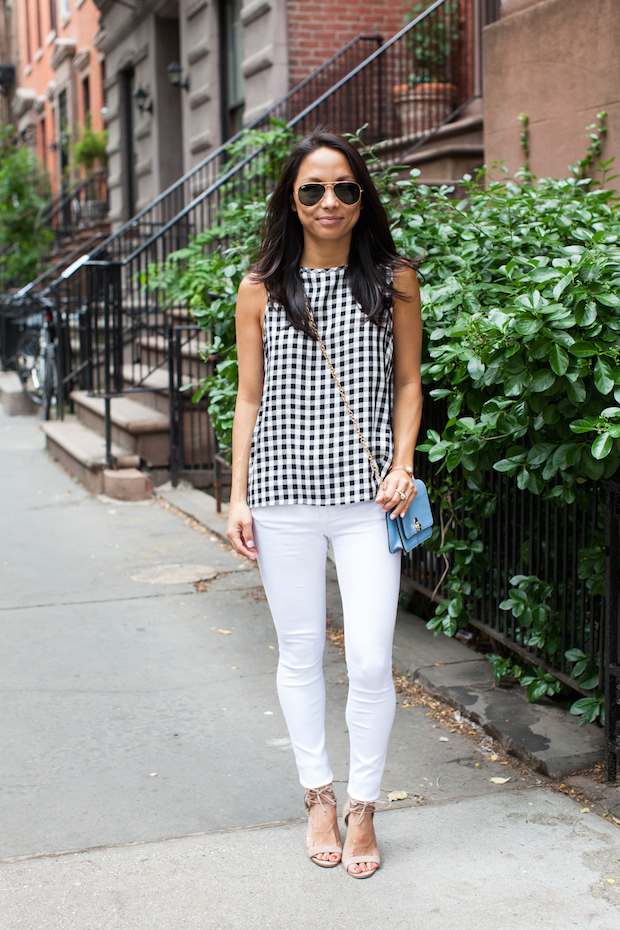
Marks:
<point>91,147</point>
<point>433,41</point>
<point>24,192</point>
<point>522,322</point>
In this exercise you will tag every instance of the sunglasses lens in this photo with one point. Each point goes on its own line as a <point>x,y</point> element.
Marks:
<point>309,194</point>
<point>347,191</point>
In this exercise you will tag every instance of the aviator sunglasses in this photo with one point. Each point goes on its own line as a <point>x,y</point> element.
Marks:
<point>348,192</point>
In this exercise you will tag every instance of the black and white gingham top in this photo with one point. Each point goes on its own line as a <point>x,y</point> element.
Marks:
<point>305,449</point>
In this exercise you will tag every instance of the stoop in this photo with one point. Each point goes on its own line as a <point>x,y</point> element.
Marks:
<point>13,398</point>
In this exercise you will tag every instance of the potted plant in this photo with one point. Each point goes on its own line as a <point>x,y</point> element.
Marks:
<point>89,151</point>
<point>429,95</point>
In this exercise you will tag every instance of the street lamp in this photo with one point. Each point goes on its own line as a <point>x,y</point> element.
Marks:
<point>175,73</point>
<point>141,96</point>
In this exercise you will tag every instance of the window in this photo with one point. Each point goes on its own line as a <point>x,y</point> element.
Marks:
<point>43,142</point>
<point>28,42</point>
<point>86,98</point>
<point>53,15</point>
<point>232,53</point>
<point>63,9</point>
<point>39,36</point>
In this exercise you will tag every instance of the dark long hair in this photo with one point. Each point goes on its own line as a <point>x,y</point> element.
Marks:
<point>372,257</point>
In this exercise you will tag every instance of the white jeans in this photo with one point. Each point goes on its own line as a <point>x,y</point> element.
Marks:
<point>292,544</point>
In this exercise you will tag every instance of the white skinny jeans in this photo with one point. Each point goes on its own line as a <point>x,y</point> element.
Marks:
<point>292,544</point>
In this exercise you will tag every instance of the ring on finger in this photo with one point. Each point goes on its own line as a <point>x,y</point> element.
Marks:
<point>402,496</point>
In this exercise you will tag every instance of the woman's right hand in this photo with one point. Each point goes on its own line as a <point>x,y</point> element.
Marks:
<point>239,530</point>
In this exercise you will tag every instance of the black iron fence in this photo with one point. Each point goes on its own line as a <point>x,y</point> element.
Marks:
<point>79,206</point>
<point>612,631</point>
<point>520,534</point>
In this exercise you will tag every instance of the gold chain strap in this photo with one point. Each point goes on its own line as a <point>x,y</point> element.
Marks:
<point>344,399</point>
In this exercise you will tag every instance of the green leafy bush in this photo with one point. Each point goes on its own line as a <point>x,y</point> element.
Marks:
<point>521,313</point>
<point>24,192</point>
<point>91,147</point>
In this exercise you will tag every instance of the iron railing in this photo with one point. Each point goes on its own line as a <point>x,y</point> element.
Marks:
<point>612,631</point>
<point>79,207</point>
<point>141,327</point>
<point>146,224</point>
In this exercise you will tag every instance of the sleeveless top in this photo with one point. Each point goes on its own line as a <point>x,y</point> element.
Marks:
<point>305,449</point>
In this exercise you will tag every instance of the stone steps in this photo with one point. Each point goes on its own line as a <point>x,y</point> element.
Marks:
<point>13,398</point>
<point>82,452</point>
<point>142,430</point>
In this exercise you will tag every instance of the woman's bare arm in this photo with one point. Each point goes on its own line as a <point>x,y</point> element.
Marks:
<point>407,412</point>
<point>251,302</point>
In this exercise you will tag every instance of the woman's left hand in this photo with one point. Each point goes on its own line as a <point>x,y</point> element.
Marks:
<point>396,484</point>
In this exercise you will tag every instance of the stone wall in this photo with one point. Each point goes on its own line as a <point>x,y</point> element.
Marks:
<point>558,62</point>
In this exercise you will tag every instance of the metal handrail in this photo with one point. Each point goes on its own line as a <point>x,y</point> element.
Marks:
<point>63,199</point>
<point>218,152</point>
<point>223,179</point>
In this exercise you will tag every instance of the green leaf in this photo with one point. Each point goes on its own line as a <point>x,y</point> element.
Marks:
<point>527,325</point>
<point>602,446</point>
<point>562,284</point>
<point>586,425</point>
<point>542,381</point>
<point>475,368</point>
<point>603,378</point>
<point>582,350</point>
<point>586,314</point>
<point>576,391</point>
<point>539,453</point>
<point>589,679</point>
<point>558,359</point>
<point>609,300</point>
<point>574,655</point>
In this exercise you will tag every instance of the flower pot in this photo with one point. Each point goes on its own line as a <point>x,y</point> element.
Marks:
<point>423,106</point>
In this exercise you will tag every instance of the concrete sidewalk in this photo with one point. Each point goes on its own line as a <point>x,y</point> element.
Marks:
<point>147,776</point>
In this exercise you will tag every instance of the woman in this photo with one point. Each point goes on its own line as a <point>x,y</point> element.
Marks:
<point>327,250</point>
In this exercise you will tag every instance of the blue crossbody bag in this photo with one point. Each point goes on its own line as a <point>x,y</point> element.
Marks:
<point>417,525</point>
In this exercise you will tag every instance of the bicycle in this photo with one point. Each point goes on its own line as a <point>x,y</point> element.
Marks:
<point>35,360</point>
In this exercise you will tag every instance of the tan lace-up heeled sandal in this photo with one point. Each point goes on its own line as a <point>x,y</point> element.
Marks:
<point>322,796</point>
<point>361,809</point>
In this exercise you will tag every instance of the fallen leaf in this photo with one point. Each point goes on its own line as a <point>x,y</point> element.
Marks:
<point>234,666</point>
<point>477,765</point>
<point>272,647</point>
<point>494,758</point>
<point>499,781</point>
<point>584,810</point>
<point>223,708</point>
<point>153,774</point>
<point>406,705</point>
<point>397,795</point>
<point>225,632</point>
<point>443,739</point>
<point>612,881</point>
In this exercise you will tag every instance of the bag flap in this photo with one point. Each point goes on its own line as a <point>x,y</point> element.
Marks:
<point>420,511</point>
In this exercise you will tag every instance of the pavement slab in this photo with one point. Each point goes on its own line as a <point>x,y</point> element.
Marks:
<point>522,859</point>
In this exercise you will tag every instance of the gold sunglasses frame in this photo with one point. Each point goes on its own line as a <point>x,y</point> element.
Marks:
<point>325,185</point>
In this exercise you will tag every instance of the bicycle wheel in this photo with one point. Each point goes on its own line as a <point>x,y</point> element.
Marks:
<point>50,383</point>
<point>27,362</point>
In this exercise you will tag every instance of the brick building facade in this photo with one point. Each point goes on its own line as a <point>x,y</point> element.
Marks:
<point>59,79</point>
